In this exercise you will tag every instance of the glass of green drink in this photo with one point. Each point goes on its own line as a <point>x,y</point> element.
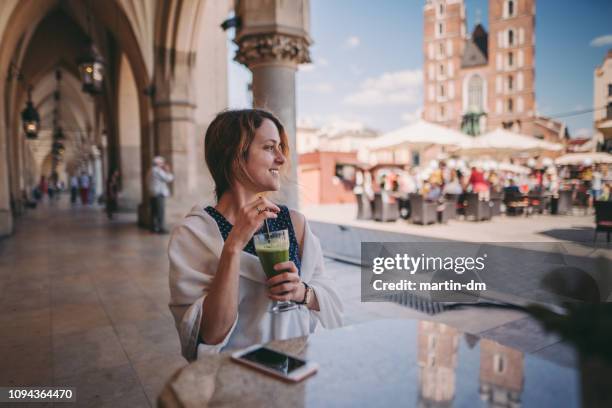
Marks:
<point>273,248</point>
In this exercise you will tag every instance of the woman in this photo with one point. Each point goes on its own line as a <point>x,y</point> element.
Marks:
<point>220,296</point>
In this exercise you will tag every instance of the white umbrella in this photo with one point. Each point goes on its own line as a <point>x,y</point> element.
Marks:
<point>514,168</point>
<point>585,158</point>
<point>502,141</point>
<point>420,135</point>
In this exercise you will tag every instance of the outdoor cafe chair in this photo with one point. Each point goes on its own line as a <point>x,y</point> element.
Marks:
<point>386,207</point>
<point>477,209</point>
<point>364,206</point>
<point>422,211</point>
<point>496,198</point>
<point>603,218</point>
<point>564,202</point>
<point>450,207</point>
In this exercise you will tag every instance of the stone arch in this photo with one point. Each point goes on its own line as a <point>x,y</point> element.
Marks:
<point>132,35</point>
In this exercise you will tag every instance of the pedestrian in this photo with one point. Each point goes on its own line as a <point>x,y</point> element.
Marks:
<point>159,177</point>
<point>112,194</point>
<point>43,186</point>
<point>74,188</point>
<point>84,187</point>
<point>219,296</point>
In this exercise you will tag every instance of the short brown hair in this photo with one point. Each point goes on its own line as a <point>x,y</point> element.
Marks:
<point>227,142</point>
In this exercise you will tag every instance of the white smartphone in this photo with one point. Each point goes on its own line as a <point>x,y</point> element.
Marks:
<point>275,363</point>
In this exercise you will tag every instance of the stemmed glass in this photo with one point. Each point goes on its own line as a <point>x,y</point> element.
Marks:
<point>273,248</point>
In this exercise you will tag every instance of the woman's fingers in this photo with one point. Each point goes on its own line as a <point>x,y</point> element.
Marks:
<point>287,266</point>
<point>263,204</point>
<point>283,288</point>
<point>281,298</point>
<point>291,276</point>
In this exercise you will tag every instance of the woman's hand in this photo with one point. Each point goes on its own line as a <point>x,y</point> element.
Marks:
<point>286,286</point>
<point>249,220</point>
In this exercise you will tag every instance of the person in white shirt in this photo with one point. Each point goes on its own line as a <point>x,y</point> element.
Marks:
<point>159,177</point>
<point>219,294</point>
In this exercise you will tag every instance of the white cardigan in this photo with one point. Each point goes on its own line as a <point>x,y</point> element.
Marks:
<point>194,251</point>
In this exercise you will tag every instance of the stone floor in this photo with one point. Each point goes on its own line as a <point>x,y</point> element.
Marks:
<point>83,303</point>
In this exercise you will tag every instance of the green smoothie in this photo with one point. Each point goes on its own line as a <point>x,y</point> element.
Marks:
<point>270,256</point>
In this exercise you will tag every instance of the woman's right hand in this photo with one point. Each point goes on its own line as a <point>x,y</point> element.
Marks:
<point>249,220</point>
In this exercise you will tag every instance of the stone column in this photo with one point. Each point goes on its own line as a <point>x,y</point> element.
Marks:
<point>6,216</point>
<point>175,129</point>
<point>273,39</point>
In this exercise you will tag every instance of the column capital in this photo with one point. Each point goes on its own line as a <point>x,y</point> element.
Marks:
<point>272,48</point>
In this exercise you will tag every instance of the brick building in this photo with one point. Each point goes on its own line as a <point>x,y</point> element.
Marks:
<point>485,76</point>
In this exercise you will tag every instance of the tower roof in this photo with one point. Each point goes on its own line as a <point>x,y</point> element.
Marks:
<point>476,49</point>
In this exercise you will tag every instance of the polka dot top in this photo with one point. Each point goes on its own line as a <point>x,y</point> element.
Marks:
<point>283,221</point>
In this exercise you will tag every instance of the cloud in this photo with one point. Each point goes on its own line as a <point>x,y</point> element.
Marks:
<point>413,116</point>
<point>320,87</point>
<point>352,42</point>
<point>390,88</point>
<point>356,70</point>
<point>602,41</point>
<point>336,120</point>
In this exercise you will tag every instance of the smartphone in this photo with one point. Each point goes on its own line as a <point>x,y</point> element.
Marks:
<point>275,363</point>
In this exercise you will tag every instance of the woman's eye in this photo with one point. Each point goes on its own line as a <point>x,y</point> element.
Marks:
<point>269,147</point>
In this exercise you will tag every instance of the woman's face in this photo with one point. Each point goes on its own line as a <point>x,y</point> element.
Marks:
<point>265,158</point>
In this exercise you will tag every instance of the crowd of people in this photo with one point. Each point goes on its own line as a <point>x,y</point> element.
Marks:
<point>441,179</point>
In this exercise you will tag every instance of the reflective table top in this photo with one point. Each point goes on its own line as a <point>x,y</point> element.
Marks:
<point>414,363</point>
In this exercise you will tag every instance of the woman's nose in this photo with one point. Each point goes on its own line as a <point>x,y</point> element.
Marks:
<point>280,157</point>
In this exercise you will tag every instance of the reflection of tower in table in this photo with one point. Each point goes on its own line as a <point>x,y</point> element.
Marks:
<point>501,375</point>
<point>438,345</point>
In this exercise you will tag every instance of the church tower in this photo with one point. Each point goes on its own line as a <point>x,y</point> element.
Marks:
<point>511,65</point>
<point>444,34</point>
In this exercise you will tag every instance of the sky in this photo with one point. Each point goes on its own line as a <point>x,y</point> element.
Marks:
<point>368,61</point>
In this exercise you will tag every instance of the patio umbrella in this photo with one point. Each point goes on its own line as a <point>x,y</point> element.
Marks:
<point>503,141</point>
<point>584,158</point>
<point>420,135</point>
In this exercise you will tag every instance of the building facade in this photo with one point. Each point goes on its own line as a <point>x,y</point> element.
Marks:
<point>602,102</point>
<point>487,77</point>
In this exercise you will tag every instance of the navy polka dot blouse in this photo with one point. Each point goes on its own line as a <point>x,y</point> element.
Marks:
<point>283,221</point>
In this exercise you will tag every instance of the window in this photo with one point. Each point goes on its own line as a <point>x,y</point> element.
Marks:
<point>510,8</point>
<point>498,364</point>
<point>510,83</point>
<point>441,49</point>
<point>510,105</point>
<point>510,37</point>
<point>441,93</point>
<point>510,59</point>
<point>475,94</point>
<point>609,89</point>
<point>441,69</point>
<point>432,341</point>
<point>609,111</point>
<point>440,29</point>
<point>441,112</point>
<point>441,9</point>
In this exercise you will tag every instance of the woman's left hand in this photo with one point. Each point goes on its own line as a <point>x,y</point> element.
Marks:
<point>286,286</point>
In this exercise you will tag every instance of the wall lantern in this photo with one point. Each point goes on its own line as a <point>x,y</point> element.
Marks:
<point>91,68</point>
<point>30,118</point>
